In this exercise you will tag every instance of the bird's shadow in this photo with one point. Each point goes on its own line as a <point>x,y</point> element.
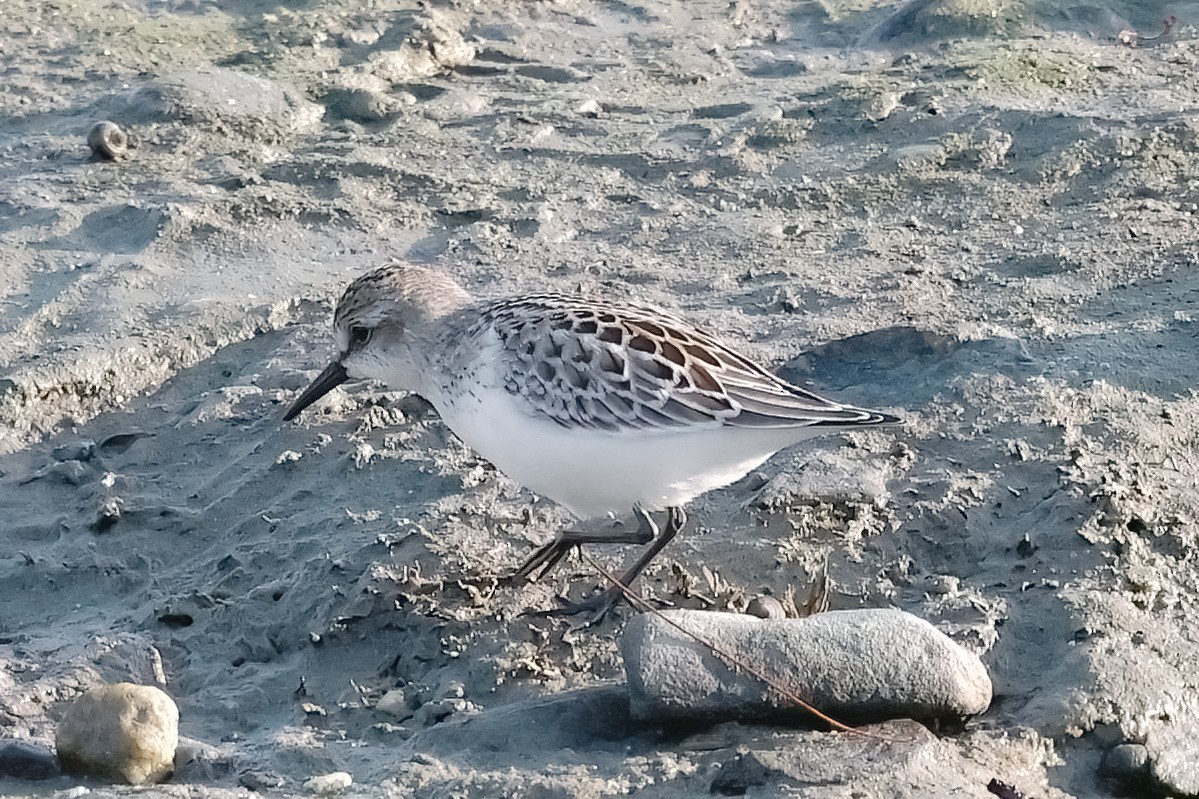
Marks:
<point>903,366</point>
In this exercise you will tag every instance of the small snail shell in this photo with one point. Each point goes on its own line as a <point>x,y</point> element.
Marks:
<point>766,607</point>
<point>108,141</point>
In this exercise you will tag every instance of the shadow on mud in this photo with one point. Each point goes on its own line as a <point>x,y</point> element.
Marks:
<point>903,366</point>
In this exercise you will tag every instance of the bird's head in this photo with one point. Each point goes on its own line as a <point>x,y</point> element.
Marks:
<point>380,325</point>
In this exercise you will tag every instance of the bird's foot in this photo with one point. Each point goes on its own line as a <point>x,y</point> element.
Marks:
<point>543,561</point>
<point>601,604</point>
<point>596,609</point>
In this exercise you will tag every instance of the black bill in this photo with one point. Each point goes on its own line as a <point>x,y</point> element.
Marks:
<point>333,376</point>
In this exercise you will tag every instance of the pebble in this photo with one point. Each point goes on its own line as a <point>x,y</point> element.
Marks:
<point>24,761</point>
<point>108,141</point>
<point>123,732</point>
<point>334,782</point>
<point>853,664</point>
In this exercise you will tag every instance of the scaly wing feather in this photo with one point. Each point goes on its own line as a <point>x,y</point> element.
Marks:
<point>620,367</point>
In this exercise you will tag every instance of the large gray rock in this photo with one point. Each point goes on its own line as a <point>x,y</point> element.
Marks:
<point>123,732</point>
<point>855,664</point>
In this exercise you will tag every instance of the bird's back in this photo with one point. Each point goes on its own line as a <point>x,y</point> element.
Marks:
<point>623,367</point>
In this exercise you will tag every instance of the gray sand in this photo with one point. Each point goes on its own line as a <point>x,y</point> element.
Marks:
<point>982,212</point>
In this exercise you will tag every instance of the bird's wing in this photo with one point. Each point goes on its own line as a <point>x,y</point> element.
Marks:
<point>630,367</point>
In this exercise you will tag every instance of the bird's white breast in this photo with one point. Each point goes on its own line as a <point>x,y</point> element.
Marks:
<point>594,472</point>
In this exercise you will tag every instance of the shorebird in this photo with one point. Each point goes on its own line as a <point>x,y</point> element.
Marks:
<point>598,404</point>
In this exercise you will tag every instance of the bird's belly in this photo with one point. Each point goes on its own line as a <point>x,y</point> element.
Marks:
<point>593,472</point>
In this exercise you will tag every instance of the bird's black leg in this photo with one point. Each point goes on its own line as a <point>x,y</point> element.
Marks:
<point>599,605</point>
<point>542,562</point>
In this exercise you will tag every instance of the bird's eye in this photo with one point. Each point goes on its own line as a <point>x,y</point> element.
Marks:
<point>359,335</point>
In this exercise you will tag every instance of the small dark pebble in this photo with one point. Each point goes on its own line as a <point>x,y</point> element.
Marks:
<point>1003,790</point>
<point>27,762</point>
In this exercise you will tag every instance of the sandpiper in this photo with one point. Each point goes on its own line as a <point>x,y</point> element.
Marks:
<point>598,404</point>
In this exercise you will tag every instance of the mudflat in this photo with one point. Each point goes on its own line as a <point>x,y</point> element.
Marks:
<point>981,214</point>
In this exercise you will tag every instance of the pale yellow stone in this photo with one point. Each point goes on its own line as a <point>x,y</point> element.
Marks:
<point>122,732</point>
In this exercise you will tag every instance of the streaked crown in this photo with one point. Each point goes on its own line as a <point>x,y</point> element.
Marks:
<point>398,294</point>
